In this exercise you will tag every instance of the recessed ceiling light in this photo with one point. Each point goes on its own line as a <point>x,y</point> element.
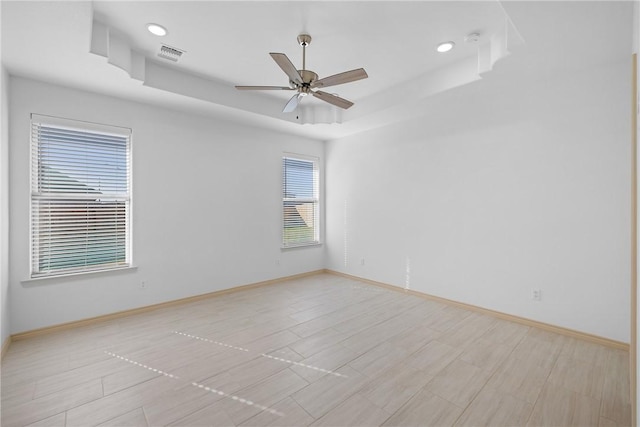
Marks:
<point>445,47</point>
<point>157,30</point>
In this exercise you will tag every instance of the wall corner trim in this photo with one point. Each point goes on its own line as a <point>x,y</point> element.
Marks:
<point>5,347</point>
<point>595,339</point>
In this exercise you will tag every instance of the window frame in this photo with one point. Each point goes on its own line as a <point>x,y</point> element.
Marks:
<point>37,120</point>
<point>316,200</point>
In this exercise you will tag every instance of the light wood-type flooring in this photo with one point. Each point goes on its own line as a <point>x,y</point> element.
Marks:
<point>322,351</point>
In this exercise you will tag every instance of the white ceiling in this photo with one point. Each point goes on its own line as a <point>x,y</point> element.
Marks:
<point>227,43</point>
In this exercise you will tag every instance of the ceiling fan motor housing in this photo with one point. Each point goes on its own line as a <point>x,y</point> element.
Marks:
<point>308,77</point>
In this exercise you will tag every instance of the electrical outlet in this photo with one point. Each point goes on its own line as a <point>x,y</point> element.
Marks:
<point>361,261</point>
<point>143,285</point>
<point>536,294</point>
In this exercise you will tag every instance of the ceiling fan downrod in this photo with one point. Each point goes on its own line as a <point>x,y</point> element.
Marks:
<point>304,40</point>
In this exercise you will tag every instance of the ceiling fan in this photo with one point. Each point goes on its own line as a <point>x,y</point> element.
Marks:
<point>303,81</point>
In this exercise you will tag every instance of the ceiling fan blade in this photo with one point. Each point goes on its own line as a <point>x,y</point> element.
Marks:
<point>292,104</point>
<point>333,99</point>
<point>290,70</point>
<point>338,79</point>
<point>264,88</point>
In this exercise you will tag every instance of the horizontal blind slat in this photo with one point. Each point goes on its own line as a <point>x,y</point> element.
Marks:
<point>299,201</point>
<point>80,199</point>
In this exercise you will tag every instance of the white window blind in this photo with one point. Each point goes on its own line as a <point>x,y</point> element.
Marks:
<point>300,201</point>
<point>80,197</point>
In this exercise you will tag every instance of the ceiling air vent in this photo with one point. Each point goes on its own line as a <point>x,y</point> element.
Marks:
<point>170,53</point>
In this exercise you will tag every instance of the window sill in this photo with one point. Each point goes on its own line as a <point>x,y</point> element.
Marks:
<point>302,245</point>
<point>40,279</point>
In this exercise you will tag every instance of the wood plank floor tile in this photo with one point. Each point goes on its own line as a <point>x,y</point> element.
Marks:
<point>211,416</point>
<point>383,331</point>
<point>459,382</point>
<point>265,393</point>
<point>548,336</point>
<point>329,359</point>
<point>505,332</point>
<point>46,406</point>
<point>414,338</point>
<point>290,415</point>
<point>486,354</point>
<point>20,392</point>
<point>218,363</point>
<point>445,319</point>
<point>496,409</point>
<point>313,313</point>
<point>425,409</point>
<point>319,324</point>
<point>425,308</point>
<point>616,403</point>
<point>362,321</point>
<point>134,418</point>
<point>82,359</point>
<point>541,353</point>
<point>558,406</point>
<point>287,353</point>
<point>102,410</point>
<point>329,391</point>
<point>126,378</point>
<point>318,342</point>
<point>522,381</point>
<point>258,332</point>
<point>581,377</point>
<point>356,411</point>
<point>591,353</point>
<point>62,380</point>
<point>606,422</point>
<point>433,357</point>
<point>395,387</point>
<point>58,420</point>
<point>379,359</point>
<point>174,405</point>
<point>246,374</point>
<point>31,372</point>
<point>272,342</point>
<point>468,330</point>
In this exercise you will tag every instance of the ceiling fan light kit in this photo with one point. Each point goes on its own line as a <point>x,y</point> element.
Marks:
<point>303,81</point>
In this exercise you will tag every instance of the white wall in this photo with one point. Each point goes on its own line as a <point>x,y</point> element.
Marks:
<point>206,208</point>
<point>5,328</point>
<point>504,185</point>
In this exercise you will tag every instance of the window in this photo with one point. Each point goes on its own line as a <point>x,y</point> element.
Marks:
<point>80,197</point>
<point>300,201</point>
